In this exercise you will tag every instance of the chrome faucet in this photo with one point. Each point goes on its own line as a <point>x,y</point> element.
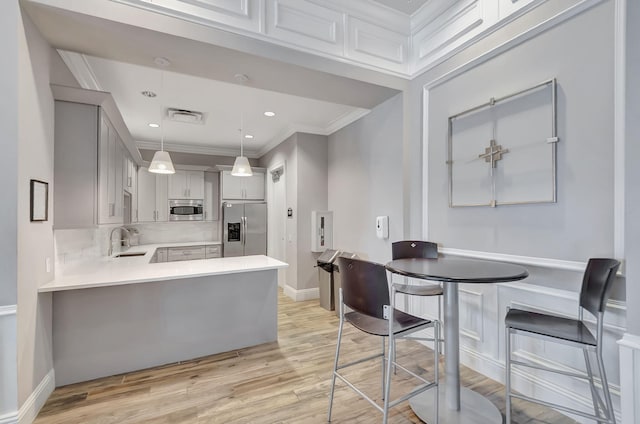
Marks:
<point>125,240</point>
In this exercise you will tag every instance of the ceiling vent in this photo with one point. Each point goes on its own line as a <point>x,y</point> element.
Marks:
<point>186,116</point>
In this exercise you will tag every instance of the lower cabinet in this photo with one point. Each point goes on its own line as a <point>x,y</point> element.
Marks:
<point>186,253</point>
<point>212,251</point>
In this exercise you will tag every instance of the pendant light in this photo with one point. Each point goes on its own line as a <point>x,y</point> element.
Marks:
<point>161,162</point>
<point>241,167</point>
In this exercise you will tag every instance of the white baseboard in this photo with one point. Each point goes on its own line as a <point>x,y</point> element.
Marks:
<point>302,295</point>
<point>524,382</point>
<point>630,379</point>
<point>30,408</point>
<point>9,418</point>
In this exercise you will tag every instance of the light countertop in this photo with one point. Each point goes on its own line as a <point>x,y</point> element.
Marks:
<point>111,271</point>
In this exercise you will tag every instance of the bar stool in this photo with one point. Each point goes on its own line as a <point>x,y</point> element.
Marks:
<point>596,286</point>
<point>366,291</point>
<point>407,249</point>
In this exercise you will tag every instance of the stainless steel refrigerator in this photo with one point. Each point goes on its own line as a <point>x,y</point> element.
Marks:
<point>244,229</point>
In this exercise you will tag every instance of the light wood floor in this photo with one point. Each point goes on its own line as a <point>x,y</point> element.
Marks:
<point>282,382</point>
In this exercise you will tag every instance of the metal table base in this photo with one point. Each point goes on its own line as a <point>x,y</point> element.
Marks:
<point>474,408</point>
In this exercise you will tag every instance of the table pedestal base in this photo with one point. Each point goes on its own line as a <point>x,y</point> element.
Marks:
<point>474,408</point>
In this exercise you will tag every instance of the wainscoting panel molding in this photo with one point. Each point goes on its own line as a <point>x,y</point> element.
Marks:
<point>360,32</point>
<point>306,24</point>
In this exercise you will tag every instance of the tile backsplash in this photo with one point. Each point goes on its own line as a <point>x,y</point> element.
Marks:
<point>79,245</point>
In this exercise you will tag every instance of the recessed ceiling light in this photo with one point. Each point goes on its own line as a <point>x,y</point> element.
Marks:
<point>270,114</point>
<point>248,136</point>
<point>147,93</point>
<point>162,61</point>
<point>153,125</point>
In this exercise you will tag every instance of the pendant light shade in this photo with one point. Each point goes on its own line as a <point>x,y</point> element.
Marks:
<point>161,162</point>
<point>241,167</point>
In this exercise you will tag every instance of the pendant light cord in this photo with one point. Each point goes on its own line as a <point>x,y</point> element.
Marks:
<point>161,111</point>
<point>241,141</point>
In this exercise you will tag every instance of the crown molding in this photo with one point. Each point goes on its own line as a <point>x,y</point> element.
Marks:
<point>81,70</point>
<point>192,148</point>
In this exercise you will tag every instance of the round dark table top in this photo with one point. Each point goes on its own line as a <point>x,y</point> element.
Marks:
<point>458,270</point>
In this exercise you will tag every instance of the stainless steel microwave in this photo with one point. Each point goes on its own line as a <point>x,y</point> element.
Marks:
<point>186,210</point>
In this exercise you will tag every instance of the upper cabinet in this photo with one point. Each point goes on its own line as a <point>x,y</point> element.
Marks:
<point>186,185</point>
<point>110,174</point>
<point>94,160</point>
<point>153,205</point>
<point>211,196</point>
<point>242,188</point>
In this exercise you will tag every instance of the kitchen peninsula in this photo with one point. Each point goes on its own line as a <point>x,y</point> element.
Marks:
<point>119,314</point>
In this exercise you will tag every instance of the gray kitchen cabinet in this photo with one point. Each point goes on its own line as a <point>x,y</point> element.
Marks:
<point>185,253</point>
<point>211,196</point>
<point>242,188</point>
<point>110,174</point>
<point>213,251</point>
<point>130,176</point>
<point>160,255</point>
<point>88,167</point>
<point>91,147</point>
<point>186,185</point>
<point>153,204</point>
<point>75,174</point>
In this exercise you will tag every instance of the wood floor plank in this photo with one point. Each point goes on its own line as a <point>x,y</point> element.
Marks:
<point>284,382</point>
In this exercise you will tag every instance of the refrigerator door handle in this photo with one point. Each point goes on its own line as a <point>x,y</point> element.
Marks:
<point>244,231</point>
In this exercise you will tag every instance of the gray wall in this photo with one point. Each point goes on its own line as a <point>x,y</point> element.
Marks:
<point>632,223</point>
<point>580,224</point>
<point>9,19</point>
<point>366,180</point>
<point>39,65</point>
<point>305,158</point>
<point>312,195</point>
<point>286,153</point>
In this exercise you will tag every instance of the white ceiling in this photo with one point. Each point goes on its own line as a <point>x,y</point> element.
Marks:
<point>222,104</point>
<point>404,6</point>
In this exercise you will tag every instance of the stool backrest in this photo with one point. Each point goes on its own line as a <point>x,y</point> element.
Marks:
<point>597,283</point>
<point>414,249</point>
<point>364,286</point>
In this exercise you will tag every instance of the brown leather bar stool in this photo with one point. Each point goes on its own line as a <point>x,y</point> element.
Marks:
<point>596,286</point>
<point>366,291</point>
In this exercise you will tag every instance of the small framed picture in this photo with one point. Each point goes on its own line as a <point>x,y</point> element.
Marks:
<point>39,200</point>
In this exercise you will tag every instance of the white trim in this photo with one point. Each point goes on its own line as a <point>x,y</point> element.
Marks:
<point>630,341</point>
<point>425,164</point>
<point>619,127</point>
<point>523,260</point>
<point>8,310</point>
<point>11,418</point>
<point>630,379</point>
<point>81,70</point>
<point>302,295</point>
<point>191,148</point>
<point>495,369</point>
<point>515,41</point>
<point>36,400</point>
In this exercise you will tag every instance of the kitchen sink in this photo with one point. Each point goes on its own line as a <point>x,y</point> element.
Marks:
<point>129,254</point>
